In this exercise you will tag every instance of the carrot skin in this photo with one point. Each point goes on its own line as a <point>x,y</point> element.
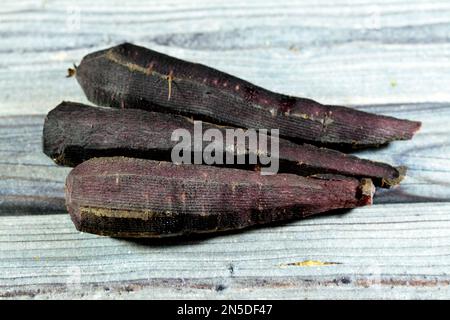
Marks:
<point>75,132</point>
<point>129,197</point>
<point>130,76</point>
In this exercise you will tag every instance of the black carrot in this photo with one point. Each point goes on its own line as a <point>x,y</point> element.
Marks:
<point>75,132</point>
<point>128,197</point>
<point>129,76</point>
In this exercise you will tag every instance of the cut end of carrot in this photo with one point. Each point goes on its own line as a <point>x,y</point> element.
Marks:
<point>366,192</point>
<point>392,182</point>
<point>70,72</point>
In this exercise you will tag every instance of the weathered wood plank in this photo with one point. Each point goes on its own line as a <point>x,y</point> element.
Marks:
<point>358,53</point>
<point>371,250</point>
<point>336,52</point>
<point>31,182</point>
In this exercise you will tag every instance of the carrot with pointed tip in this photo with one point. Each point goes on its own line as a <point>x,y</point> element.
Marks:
<point>129,197</point>
<point>75,132</point>
<point>130,76</point>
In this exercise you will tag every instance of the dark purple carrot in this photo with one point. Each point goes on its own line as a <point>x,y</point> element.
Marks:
<point>129,76</point>
<point>129,197</point>
<point>75,132</point>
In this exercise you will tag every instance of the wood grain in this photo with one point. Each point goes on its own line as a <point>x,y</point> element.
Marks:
<point>336,52</point>
<point>372,254</point>
<point>385,56</point>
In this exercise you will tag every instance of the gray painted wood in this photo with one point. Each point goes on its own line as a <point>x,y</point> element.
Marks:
<point>383,56</point>
<point>334,51</point>
<point>369,252</point>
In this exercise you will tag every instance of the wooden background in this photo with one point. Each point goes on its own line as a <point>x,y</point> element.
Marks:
<point>386,56</point>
